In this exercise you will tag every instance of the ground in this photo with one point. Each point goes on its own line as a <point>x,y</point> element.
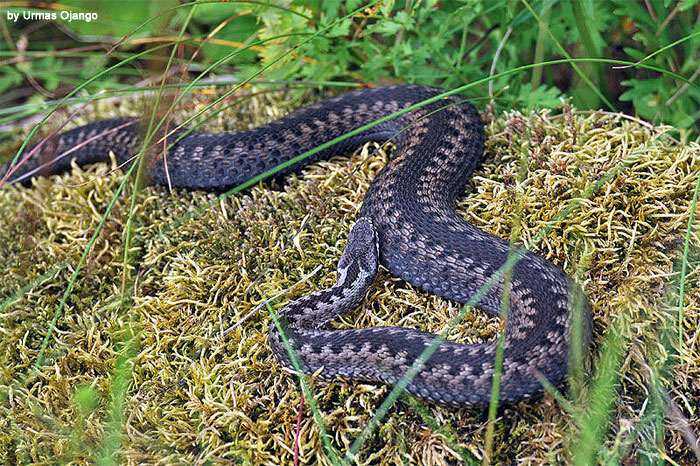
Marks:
<point>199,382</point>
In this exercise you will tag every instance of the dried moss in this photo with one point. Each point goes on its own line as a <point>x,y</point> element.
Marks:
<point>205,385</point>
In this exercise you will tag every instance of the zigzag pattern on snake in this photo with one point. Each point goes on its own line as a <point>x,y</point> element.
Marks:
<point>407,223</point>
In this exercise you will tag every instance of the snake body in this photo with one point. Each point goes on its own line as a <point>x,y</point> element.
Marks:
<point>407,223</point>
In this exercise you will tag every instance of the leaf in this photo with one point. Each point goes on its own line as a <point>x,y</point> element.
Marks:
<point>113,18</point>
<point>215,13</point>
<point>92,63</point>
<point>688,4</point>
<point>542,97</point>
<point>9,77</point>
<point>341,29</point>
<point>387,28</point>
<point>51,78</point>
<point>645,95</point>
<point>232,37</point>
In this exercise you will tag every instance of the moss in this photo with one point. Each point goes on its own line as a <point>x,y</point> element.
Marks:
<point>204,384</point>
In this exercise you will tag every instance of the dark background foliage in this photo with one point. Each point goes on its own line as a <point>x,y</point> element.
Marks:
<point>447,43</point>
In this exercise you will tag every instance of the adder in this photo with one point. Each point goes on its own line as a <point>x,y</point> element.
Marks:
<point>407,223</point>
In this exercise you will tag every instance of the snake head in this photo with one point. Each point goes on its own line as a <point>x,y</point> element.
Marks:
<point>362,248</point>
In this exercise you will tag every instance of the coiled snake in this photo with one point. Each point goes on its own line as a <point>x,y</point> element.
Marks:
<point>407,223</point>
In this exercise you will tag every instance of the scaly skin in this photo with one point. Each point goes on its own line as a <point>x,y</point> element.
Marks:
<point>407,223</point>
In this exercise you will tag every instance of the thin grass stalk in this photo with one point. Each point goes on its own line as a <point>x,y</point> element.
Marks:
<point>582,20</point>
<point>122,370</point>
<point>119,386</point>
<point>141,170</point>
<point>76,272</point>
<point>581,74</point>
<point>684,264</point>
<point>306,391</point>
<point>504,313</point>
<point>539,46</point>
<point>593,422</point>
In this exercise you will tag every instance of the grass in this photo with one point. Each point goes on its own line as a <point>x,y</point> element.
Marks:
<point>203,386</point>
<point>176,367</point>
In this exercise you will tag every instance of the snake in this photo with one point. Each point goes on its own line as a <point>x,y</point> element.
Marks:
<point>408,224</point>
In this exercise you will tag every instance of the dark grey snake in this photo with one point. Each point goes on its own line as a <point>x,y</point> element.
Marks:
<point>407,223</point>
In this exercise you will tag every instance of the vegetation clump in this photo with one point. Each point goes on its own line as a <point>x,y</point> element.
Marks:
<point>197,381</point>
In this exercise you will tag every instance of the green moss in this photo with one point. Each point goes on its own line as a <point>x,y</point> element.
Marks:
<point>204,383</point>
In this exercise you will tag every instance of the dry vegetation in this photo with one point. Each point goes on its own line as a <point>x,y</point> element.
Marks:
<point>204,384</point>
